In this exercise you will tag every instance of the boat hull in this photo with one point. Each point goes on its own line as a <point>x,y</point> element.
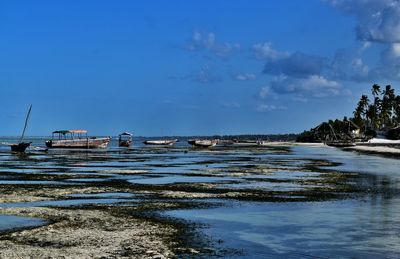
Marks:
<point>202,143</point>
<point>20,147</point>
<point>125,143</point>
<point>160,142</point>
<point>87,143</point>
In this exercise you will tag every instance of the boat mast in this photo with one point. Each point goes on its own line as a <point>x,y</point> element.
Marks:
<point>26,123</point>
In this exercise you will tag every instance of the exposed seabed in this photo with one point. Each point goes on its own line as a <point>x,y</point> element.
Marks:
<point>166,202</point>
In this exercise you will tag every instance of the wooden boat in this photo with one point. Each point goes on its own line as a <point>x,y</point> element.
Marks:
<point>203,142</point>
<point>22,146</point>
<point>76,139</point>
<point>125,139</point>
<point>165,142</point>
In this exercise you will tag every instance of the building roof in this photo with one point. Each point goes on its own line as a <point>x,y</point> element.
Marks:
<point>70,131</point>
<point>125,134</point>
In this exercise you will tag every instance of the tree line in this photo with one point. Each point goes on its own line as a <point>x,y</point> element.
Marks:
<point>381,113</point>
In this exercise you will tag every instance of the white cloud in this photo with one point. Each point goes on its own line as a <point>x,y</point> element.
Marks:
<point>265,51</point>
<point>377,20</point>
<point>264,92</point>
<point>359,68</point>
<point>244,77</point>
<point>389,62</point>
<point>297,64</point>
<point>206,76</point>
<point>208,41</point>
<point>314,85</point>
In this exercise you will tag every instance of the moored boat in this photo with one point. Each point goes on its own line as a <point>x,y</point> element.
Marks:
<point>161,142</point>
<point>203,142</point>
<point>125,139</point>
<point>76,139</point>
<point>22,146</point>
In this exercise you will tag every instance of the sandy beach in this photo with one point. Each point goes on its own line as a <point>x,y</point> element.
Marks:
<point>373,146</point>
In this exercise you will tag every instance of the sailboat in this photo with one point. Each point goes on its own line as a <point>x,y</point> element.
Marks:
<point>22,146</point>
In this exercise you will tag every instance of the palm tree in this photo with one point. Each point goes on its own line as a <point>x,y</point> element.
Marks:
<point>360,112</point>
<point>376,89</point>
<point>387,106</point>
<point>371,115</point>
<point>389,91</point>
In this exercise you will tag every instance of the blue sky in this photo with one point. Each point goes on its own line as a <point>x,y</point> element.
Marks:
<point>192,67</point>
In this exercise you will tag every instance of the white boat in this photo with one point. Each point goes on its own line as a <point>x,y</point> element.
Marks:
<point>203,142</point>
<point>76,139</point>
<point>164,142</point>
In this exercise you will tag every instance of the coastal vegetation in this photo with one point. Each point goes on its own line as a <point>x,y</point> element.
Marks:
<point>378,113</point>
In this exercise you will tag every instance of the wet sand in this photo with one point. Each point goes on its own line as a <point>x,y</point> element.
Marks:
<point>126,218</point>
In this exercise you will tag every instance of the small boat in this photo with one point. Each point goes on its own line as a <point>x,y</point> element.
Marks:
<point>76,139</point>
<point>125,139</point>
<point>165,142</point>
<point>22,146</point>
<point>203,142</point>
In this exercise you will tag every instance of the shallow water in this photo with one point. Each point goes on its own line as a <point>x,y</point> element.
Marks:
<point>362,224</point>
<point>313,229</point>
<point>8,223</point>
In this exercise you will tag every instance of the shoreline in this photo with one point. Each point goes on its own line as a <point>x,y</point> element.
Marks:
<point>376,150</point>
<point>373,148</point>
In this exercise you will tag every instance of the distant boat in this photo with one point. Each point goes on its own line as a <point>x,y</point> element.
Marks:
<point>164,142</point>
<point>125,139</point>
<point>203,142</point>
<point>22,146</point>
<point>76,139</point>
